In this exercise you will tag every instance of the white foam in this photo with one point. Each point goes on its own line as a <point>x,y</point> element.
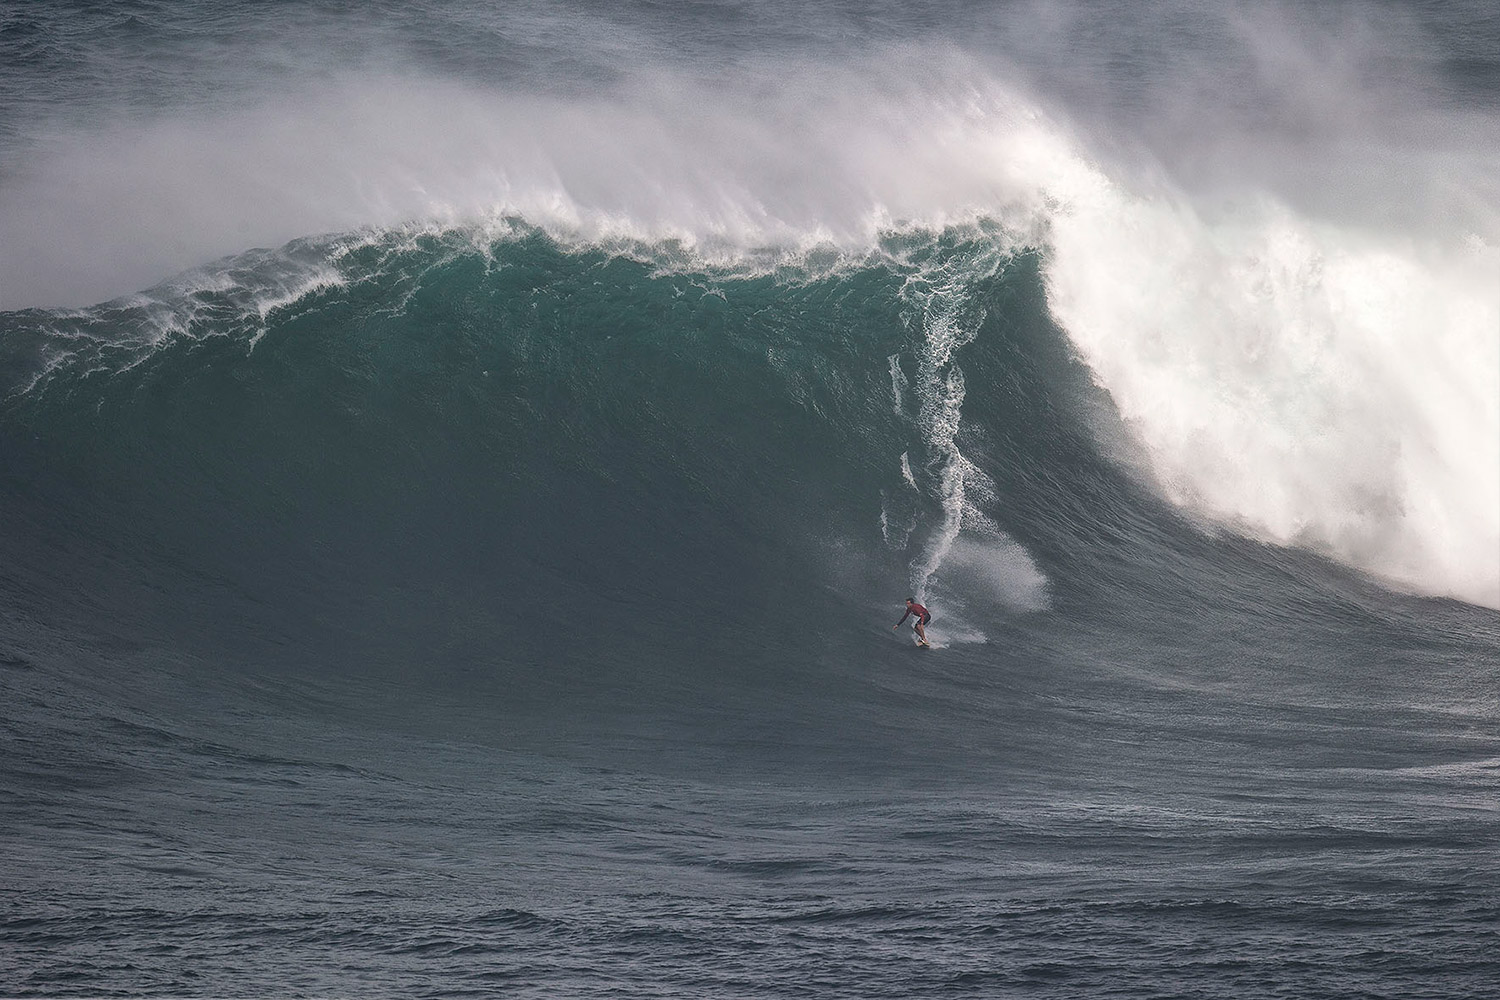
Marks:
<point>1310,383</point>
<point>898,393</point>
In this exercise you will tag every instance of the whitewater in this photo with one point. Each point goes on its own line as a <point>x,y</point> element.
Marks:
<point>459,467</point>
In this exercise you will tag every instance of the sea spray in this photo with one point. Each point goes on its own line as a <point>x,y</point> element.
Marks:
<point>944,316</point>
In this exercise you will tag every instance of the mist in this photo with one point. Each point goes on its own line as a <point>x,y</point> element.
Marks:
<point>768,128</point>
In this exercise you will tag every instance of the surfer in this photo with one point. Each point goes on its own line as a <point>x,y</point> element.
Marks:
<point>923,616</point>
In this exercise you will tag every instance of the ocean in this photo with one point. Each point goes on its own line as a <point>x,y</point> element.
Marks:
<point>460,464</point>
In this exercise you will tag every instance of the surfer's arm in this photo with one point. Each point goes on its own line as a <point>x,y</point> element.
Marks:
<point>903,618</point>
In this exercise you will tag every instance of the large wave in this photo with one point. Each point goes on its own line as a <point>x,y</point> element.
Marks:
<point>1297,366</point>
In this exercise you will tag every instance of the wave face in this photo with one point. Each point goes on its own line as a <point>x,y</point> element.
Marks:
<point>549,407</point>
<point>485,450</point>
<point>569,449</point>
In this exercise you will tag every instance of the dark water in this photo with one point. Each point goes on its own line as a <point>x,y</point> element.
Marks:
<point>498,601</point>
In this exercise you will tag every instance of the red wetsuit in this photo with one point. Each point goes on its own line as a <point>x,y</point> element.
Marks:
<point>916,609</point>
